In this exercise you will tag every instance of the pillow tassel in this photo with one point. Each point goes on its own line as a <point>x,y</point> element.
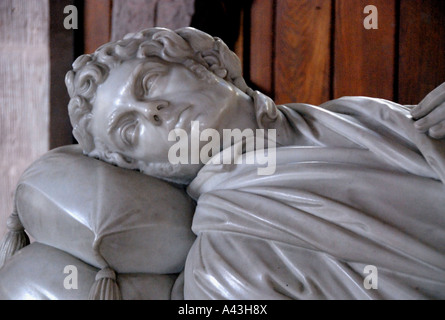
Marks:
<point>14,240</point>
<point>105,287</point>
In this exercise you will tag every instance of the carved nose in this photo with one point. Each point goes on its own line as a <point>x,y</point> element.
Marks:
<point>152,110</point>
<point>160,105</point>
<point>149,108</point>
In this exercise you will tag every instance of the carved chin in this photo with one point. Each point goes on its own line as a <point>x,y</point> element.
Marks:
<point>176,173</point>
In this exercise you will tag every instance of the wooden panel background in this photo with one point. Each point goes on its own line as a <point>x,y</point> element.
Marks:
<point>320,50</point>
<point>421,48</point>
<point>260,69</point>
<point>107,20</point>
<point>97,24</point>
<point>24,92</point>
<point>313,50</point>
<point>61,43</point>
<point>364,60</point>
<point>302,51</point>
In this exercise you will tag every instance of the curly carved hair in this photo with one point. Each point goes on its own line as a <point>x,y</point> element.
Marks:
<point>188,46</point>
<point>195,49</point>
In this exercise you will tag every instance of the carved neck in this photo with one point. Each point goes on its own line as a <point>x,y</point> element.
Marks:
<point>269,116</point>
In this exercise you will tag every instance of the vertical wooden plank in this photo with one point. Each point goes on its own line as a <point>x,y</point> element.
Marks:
<point>174,14</point>
<point>224,19</point>
<point>421,48</point>
<point>302,52</point>
<point>364,59</point>
<point>240,42</point>
<point>24,88</point>
<point>134,15</point>
<point>261,46</point>
<point>61,43</point>
<point>131,16</point>
<point>97,24</point>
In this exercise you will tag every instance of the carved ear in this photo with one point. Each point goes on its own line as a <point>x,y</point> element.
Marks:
<point>221,60</point>
<point>228,59</point>
<point>79,111</point>
<point>212,51</point>
<point>213,60</point>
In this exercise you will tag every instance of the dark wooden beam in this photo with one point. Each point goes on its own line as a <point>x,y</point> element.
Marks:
<point>421,48</point>
<point>302,51</point>
<point>61,46</point>
<point>261,57</point>
<point>97,27</point>
<point>364,59</point>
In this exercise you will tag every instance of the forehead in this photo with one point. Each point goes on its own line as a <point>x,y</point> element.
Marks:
<point>124,73</point>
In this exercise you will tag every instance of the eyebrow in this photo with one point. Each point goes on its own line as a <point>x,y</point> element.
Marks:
<point>143,69</point>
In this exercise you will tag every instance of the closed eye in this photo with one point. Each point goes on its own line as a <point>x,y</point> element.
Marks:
<point>128,131</point>
<point>148,83</point>
<point>124,126</point>
<point>145,77</point>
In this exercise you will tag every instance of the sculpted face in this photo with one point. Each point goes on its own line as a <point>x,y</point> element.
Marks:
<point>142,100</point>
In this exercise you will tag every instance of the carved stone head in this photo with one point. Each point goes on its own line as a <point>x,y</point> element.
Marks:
<point>129,94</point>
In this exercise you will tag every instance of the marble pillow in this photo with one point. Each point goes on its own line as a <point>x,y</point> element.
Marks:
<point>48,281</point>
<point>105,215</point>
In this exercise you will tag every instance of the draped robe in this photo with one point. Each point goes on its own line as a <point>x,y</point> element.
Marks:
<point>355,185</point>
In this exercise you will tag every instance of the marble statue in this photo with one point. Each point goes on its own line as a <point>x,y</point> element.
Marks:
<point>356,182</point>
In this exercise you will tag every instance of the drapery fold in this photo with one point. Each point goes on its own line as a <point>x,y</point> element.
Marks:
<point>363,187</point>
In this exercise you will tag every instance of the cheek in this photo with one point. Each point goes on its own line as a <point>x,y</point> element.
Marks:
<point>211,97</point>
<point>180,80</point>
<point>153,144</point>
